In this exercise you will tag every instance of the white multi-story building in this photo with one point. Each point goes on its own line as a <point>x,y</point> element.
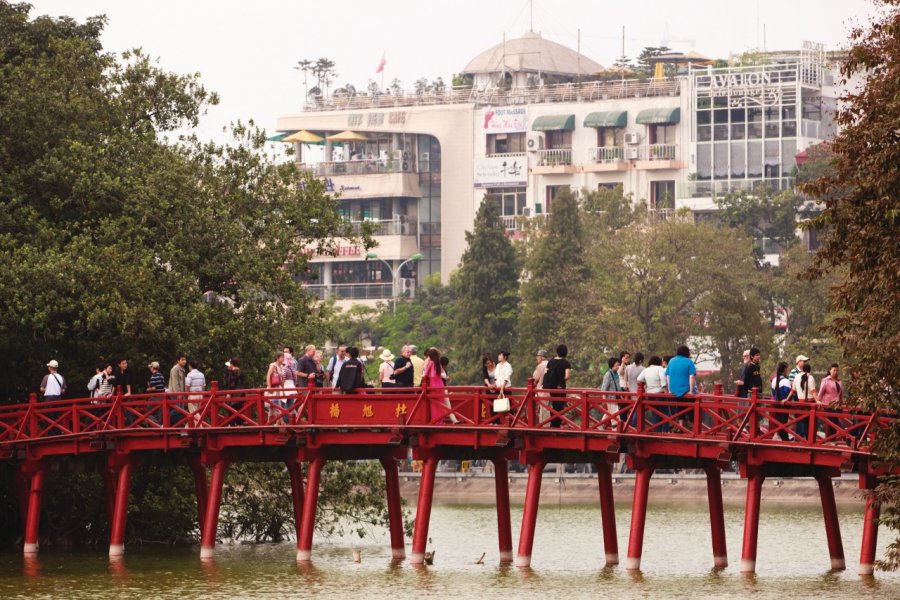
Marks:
<point>417,165</point>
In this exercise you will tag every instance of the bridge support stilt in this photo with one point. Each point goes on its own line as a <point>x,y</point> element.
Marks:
<point>832,526</point>
<point>201,489</point>
<point>395,507</point>
<point>310,503</point>
<point>870,537</point>
<point>211,514</point>
<point>423,511</point>
<point>529,513</point>
<point>296,474</point>
<point>638,515</point>
<point>33,520</point>
<point>120,511</point>
<point>504,521</point>
<point>716,515</point>
<point>22,483</point>
<point>608,512</point>
<point>755,481</point>
<point>109,475</point>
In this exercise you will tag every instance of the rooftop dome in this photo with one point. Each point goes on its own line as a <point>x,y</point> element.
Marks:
<point>532,53</point>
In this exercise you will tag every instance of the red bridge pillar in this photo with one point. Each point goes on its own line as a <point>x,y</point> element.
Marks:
<point>832,526</point>
<point>638,513</point>
<point>608,512</point>
<point>33,519</point>
<point>211,514</point>
<point>529,513</point>
<point>755,481</point>
<point>716,515</point>
<point>310,503</point>
<point>504,525</point>
<point>423,510</point>
<point>296,474</point>
<point>120,509</point>
<point>395,507</point>
<point>870,528</point>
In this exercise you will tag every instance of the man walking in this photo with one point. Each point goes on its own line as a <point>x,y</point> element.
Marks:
<point>306,366</point>
<point>53,386</point>
<point>751,376</point>
<point>177,374</point>
<point>555,377</point>
<point>334,365</point>
<point>418,365</point>
<point>403,368</point>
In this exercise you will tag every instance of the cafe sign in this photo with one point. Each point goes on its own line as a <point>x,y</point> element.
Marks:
<point>508,119</point>
<point>501,171</point>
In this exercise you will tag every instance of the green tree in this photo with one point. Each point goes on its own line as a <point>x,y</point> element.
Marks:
<point>555,271</point>
<point>487,292</point>
<point>763,215</point>
<point>862,216</point>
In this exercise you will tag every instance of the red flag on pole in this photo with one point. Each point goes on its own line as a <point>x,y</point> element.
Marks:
<point>380,64</point>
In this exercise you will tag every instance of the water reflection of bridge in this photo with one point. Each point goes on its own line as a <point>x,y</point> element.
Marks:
<point>117,434</point>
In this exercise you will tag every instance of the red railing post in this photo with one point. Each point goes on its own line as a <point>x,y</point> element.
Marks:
<point>754,414</point>
<point>33,427</point>
<point>531,414</point>
<point>119,408</point>
<point>211,407</point>
<point>639,411</point>
<point>811,435</point>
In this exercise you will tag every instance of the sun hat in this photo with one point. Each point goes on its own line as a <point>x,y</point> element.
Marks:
<point>387,355</point>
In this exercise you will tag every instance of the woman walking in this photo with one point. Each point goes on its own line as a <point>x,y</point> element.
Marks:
<point>433,377</point>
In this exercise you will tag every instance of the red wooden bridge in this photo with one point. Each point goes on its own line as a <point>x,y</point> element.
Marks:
<point>208,432</point>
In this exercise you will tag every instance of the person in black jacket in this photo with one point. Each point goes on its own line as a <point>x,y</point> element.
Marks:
<point>351,376</point>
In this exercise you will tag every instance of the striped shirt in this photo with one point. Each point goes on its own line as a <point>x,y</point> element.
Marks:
<point>195,381</point>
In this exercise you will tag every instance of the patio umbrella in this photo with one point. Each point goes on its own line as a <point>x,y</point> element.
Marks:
<point>304,136</point>
<point>347,136</point>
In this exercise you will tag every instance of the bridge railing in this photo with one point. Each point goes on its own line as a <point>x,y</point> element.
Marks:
<point>705,417</point>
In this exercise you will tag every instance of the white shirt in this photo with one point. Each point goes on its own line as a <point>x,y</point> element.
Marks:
<point>335,364</point>
<point>810,387</point>
<point>503,374</point>
<point>54,385</point>
<point>195,381</point>
<point>654,377</point>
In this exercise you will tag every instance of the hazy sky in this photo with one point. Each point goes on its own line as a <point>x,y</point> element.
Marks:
<point>246,51</point>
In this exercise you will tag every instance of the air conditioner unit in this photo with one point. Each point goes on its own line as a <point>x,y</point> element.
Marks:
<point>632,139</point>
<point>408,286</point>
<point>527,211</point>
<point>535,141</point>
<point>631,153</point>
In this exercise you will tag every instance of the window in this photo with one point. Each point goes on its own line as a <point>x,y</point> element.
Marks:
<point>512,200</point>
<point>608,186</point>
<point>558,140</point>
<point>608,137</point>
<point>505,143</point>
<point>552,192</point>
<point>662,194</point>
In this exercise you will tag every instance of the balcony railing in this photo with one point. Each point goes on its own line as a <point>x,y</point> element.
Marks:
<point>552,158</point>
<point>506,154</point>
<point>515,222</point>
<point>658,152</point>
<point>364,167</point>
<point>707,189</point>
<point>607,154</point>
<point>494,96</point>
<point>402,226</point>
<point>351,291</point>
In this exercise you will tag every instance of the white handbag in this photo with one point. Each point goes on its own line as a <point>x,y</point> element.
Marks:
<point>501,404</point>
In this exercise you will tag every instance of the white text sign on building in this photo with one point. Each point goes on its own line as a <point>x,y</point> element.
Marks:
<point>501,171</point>
<point>511,119</point>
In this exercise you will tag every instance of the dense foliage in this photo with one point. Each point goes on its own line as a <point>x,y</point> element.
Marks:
<point>861,254</point>
<point>121,237</point>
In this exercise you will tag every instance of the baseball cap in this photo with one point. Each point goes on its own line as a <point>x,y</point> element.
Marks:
<point>801,357</point>
<point>53,364</point>
<point>542,353</point>
<point>153,365</point>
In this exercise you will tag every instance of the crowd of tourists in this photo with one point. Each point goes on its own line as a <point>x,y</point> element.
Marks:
<point>346,371</point>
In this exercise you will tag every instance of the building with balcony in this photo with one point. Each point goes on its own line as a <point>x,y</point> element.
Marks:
<point>416,165</point>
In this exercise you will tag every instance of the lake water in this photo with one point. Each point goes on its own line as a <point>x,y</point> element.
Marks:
<point>567,562</point>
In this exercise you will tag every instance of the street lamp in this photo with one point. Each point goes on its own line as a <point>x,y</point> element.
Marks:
<point>394,272</point>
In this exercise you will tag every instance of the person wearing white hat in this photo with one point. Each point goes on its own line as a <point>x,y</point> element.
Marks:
<point>386,369</point>
<point>53,386</point>
<point>801,361</point>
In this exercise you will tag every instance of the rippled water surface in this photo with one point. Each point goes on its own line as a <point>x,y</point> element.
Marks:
<point>568,562</point>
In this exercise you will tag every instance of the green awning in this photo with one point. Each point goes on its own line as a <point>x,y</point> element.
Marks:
<point>612,118</point>
<point>554,123</point>
<point>659,116</point>
<point>278,137</point>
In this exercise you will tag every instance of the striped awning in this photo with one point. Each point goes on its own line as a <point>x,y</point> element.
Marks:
<point>554,123</point>
<point>659,116</point>
<point>611,118</point>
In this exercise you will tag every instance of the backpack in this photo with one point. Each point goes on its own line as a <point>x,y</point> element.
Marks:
<point>554,376</point>
<point>348,379</point>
